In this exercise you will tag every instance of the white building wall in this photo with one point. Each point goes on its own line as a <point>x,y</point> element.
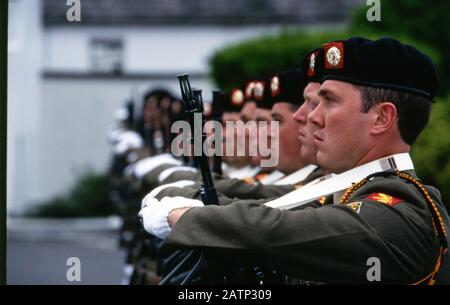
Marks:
<point>146,49</point>
<point>24,67</point>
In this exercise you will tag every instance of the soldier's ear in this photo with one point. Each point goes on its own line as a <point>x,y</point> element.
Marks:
<point>384,117</point>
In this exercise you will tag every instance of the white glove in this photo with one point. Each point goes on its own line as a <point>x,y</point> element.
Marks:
<point>127,140</point>
<point>157,190</point>
<point>154,214</point>
<point>113,137</point>
<point>121,114</point>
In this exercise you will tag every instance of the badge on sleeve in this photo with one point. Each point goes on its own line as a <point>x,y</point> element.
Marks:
<point>355,206</point>
<point>384,198</point>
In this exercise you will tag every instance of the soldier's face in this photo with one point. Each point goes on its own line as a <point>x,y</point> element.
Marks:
<point>289,144</point>
<point>342,130</point>
<point>165,103</point>
<point>230,137</point>
<point>306,129</point>
<point>228,134</point>
<point>150,108</point>
<point>248,111</point>
<point>260,133</point>
<point>230,116</point>
<point>243,135</point>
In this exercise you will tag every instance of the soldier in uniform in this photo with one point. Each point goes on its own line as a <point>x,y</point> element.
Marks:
<point>287,93</point>
<point>233,103</point>
<point>375,99</point>
<point>286,89</point>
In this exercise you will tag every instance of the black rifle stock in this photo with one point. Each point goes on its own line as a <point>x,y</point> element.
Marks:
<point>217,105</point>
<point>194,105</point>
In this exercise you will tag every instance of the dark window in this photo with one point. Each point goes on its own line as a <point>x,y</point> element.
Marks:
<point>106,55</point>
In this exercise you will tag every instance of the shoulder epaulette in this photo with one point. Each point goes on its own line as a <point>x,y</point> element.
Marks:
<point>439,230</point>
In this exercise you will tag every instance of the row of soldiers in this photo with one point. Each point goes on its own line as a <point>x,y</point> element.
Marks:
<point>137,136</point>
<point>342,194</point>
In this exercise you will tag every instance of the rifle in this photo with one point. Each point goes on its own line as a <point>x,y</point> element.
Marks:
<point>217,105</point>
<point>194,105</point>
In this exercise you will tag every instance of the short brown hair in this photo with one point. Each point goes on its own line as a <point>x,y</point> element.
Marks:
<point>413,110</point>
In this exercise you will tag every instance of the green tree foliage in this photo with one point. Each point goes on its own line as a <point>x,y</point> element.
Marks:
<point>432,150</point>
<point>425,21</point>
<point>88,198</point>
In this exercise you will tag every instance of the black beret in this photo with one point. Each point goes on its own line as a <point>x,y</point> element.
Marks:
<point>288,86</point>
<point>383,63</point>
<point>248,91</point>
<point>312,65</point>
<point>262,95</point>
<point>217,105</point>
<point>233,100</point>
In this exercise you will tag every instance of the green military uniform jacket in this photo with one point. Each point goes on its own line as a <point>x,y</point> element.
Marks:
<point>232,188</point>
<point>387,218</point>
<point>151,179</point>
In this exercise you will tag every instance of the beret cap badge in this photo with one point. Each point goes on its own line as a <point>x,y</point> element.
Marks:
<point>249,90</point>
<point>259,91</point>
<point>334,55</point>
<point>312,63</point>
<point>237,97</point>
<point>275,86</point>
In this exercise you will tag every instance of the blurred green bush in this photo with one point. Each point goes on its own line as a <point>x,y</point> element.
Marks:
<point>432,150</point>
<point>234,65</point>
<point>88,198</point>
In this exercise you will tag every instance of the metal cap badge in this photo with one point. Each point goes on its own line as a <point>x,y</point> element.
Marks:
<point>334,55</point>
<point>258,91</point>
<point>237,97</point>
<point>275,86</point>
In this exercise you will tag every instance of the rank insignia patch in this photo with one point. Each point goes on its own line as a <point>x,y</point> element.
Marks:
<point>355,206</point>
<point>334,55</point>
<point>384,198</point>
